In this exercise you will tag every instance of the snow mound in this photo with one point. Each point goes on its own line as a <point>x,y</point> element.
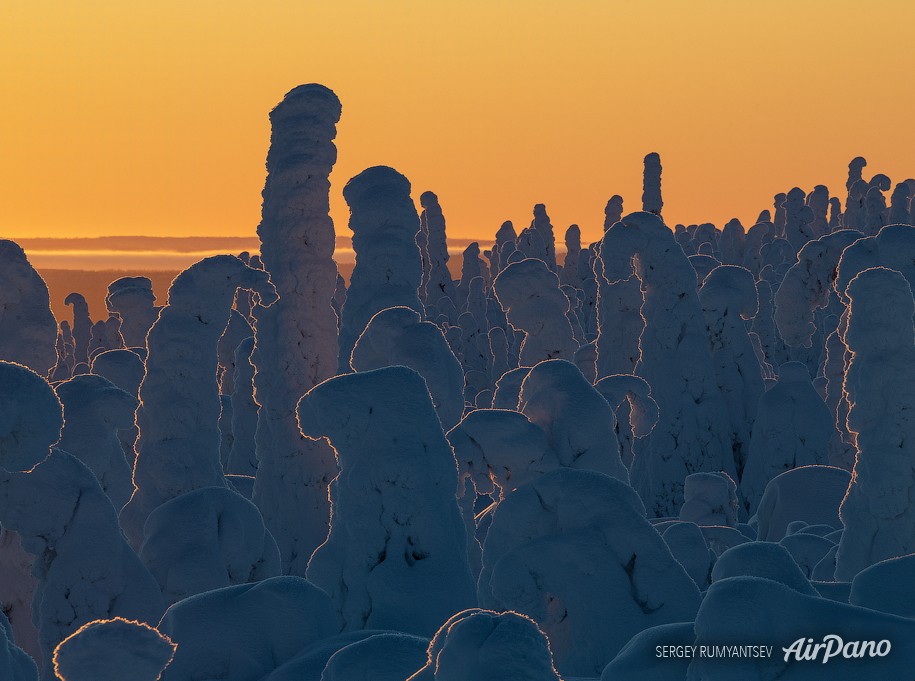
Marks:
<point>109,650</point>
<point>207,539</point>
<point>762,559</point>
<point>244,632</point>
<point>887,586</point>
<point>481,645</point>
<point>383,657</point>
<point>808,493</point>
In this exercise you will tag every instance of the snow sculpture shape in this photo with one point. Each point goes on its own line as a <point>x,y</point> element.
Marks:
<point>537,241</point>
<point>178,447</point>
<point>388,656</point>
<point>692,432</point>
<point>105,335</point>
<point>534,304</point>
<point>613,211</point>
<point>731,243</point>
<point>893,248</point>
<point>899,204</point>
<point>482,645</point>
<point>388,268</point>
<point>569,274</point>
<point>107,650</point>
<point>728,297</point>
<point>499,449</point>
<point>82,326</point>
<point>573,551</point>
<point>244,632</point>
<point>85,568</point>
<point>710,499</point>
<point>132,300</point>
<point>808,285</point>
<point>619,321</point>
<point>94,411</point>
<point>395,557</point>
<point>437,282</point>
<point>207,539</point>
<point>793,428</point>
<point>296,344</point>
<point>875,212</point>
<point>651,185</point>
<point>398,336</point>
<point>580,425</point>
<point>28,330</point>
<point>630,397</point>
<point>877,511</point>
<point>799,219</point>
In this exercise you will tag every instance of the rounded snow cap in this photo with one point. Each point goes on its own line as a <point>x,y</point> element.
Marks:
<point>112,650</point>
<point>308,100</point>
<point>377,184</point>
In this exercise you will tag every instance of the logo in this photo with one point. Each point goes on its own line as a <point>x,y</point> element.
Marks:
<point>833,646</point>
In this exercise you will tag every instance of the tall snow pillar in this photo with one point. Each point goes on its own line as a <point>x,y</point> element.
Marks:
<point>296,339</point>
<point>651,185</point>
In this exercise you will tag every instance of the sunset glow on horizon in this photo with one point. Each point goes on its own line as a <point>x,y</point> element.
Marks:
<point>136,118</point>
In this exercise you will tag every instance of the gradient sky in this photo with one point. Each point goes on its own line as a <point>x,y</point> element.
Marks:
<point>129,117</point>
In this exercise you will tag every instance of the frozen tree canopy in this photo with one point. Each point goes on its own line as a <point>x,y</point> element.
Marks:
<point>398,336</point>
<point>178,447</point>
<point>395,557</point>
<point>94,411</point>
<point>28,330</point>
<point>878,509</point>
<point>86,569</point>
<point>388,268</point>
<point>132,300</point>
<point>578,422</point>
<point>534,304</point>
<point>793,427</point>
<point>296,344</point>
<point>651,185</point>
<point>692,433</point>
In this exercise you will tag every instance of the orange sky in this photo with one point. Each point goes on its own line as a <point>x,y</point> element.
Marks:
<point>129,117</point>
